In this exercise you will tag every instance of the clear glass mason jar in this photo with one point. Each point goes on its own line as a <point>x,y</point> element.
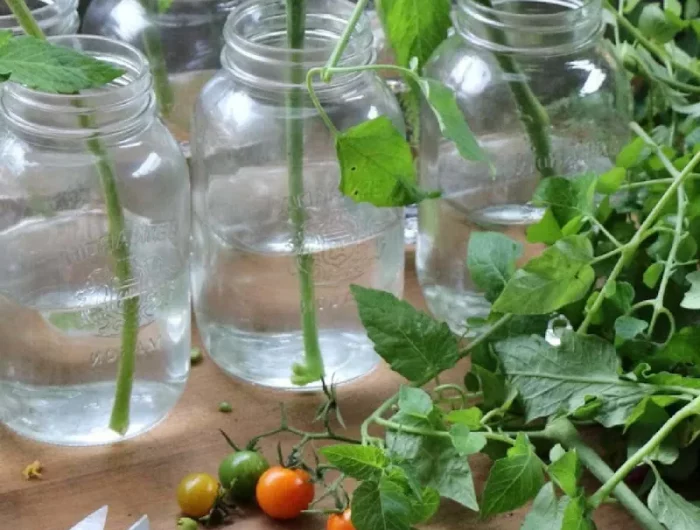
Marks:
<point>559,52</point>
<point>183,45</point>
<point>246,284</point>
<point>57,17</point>
<point>82,176</point>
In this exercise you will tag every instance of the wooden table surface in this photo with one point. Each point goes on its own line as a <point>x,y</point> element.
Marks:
<point>140,476</point>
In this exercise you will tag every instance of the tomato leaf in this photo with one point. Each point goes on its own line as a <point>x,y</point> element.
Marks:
<point>357,461</point>
<point>547,511</point>
<point>566,472</point>
<point>470,417</point>
<point>691,300</point>
<point>577,516</point>
<point>491,258</point>
<point>43,66</point>
<point>672,509</point>
<point>415,345</point>
<point>467,442</point>
<point>376,165</point>
<point>513,480</point>
<point>560,276</point>
<point>559,379</point>
<point>381,505</point>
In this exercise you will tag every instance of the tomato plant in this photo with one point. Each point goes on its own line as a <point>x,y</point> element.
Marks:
<point>340,521</point>
<point>284,493</point>
<point>239,473</point>
<point>197,494</point>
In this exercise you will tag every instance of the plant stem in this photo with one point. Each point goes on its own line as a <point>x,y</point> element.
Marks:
<point>119,247</point>
<point>153,49</point>
<point>561,430</point>
<point>25,18</point>
<point>312,369</point>
<point>691,409</point>
<point>344,40</point>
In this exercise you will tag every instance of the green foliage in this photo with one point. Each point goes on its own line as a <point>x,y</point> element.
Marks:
<point>491,258</point>
<point>672,509</point>
<point>49,68</point>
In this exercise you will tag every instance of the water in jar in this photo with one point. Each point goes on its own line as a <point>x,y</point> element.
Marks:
<point>476,199</point>
<point>245,279</point>
<point>61,321</point>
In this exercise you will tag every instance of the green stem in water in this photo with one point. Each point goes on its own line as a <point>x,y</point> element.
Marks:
<point>153,49</point>
<point>610,485</point>
<point>25,18</point>
<point>562,431</point>
<point>119,247</point>
<point>312,369</point>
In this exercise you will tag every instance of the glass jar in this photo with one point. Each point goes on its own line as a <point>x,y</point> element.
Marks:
<point>94,227</point>
<point>57,17</point>
<point>183,45</point>
<point>560,56</point>
<point>246,280</point>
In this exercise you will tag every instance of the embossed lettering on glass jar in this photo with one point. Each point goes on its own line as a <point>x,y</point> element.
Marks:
<point>62,298</point>
<point>244,273</point>
<point>183,44</point>
<point>560,55</point>
<point>56,17</point>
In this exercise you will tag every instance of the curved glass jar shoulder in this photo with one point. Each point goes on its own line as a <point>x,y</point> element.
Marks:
<point>245,275</point>
<point>576,79</point>
<point>94,227</point>
<point>183,44</point>
<point>54,17</point>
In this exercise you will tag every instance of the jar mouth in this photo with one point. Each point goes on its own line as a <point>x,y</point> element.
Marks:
<point>110,107</point>
<point>46,12</point>
<point>530,26</point>
<point>256,39</point>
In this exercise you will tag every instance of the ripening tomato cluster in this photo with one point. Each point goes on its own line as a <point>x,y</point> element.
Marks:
<point>282,493</point>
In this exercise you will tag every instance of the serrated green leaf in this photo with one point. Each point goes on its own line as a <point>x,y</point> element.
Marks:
<point>577,516</point>
<point>376,165</point>
<point>691,300</point>
<point>414,344</point>
<point>610,181</point>
<point>568,198</point>
<point>673,6</point>
<point>547,511</point>
<point>466,442</point>
<point>43,66</point>
<point>493,385</point>
<point>470,417</point>
<point>560,276</point>
<point>5,36</point>
<point>450,119</point>
<point>512,482</point>
<point>627,328</point>
<point>546,230</point>
<point>357,461</point>
<point>491,258</point>
<point>681,351</point>
<point>380,505</point>
<point>427,507</point>
<point>671,509</point>
<point>653,274</point>
<point>552,380</point>
<point>415,401</point>
<point>633,154</point>
<point>566,472</point>
<point>645,421</point>
<point>415,28</point>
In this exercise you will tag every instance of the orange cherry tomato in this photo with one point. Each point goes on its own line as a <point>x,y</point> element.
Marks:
<point>284,493</point>
<point>197,494</point>
<point>340,521</point>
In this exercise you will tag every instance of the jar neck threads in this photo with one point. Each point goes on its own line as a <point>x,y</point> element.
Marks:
<point>256,50</point>
<point>533,27</point>
<point>55,17</point>
<point>125,105</point>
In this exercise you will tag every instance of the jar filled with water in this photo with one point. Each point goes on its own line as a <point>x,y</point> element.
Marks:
<point>514,53</point>
<point>94,231</point>
<point>57,17</point>
<point>272,235</point>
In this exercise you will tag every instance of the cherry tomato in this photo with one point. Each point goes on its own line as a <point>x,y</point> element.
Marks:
<point>340,521</point>
<point>284,493</point>
<point>240,472</point>
<point>197,494</point>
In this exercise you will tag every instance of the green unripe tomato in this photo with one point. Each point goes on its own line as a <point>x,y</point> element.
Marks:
<point>239,473</point>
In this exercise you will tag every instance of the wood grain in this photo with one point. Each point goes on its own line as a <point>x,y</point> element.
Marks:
<point>140,476</point>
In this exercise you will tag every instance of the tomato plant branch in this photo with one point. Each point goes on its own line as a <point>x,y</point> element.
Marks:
<point>344,40</point>
<point>118,245</point>
<point>562,431</point>
<point>153,49</point>
<point>691,409</point>
<point>312,368</point>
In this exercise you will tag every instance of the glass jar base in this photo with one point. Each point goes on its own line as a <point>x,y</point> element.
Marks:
<point>266,359</point>
<point>79,415</point>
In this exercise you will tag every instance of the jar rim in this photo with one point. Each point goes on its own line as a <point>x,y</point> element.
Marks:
<point>236,37</point>
<point>44,14</point>
<point>573,24</point>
